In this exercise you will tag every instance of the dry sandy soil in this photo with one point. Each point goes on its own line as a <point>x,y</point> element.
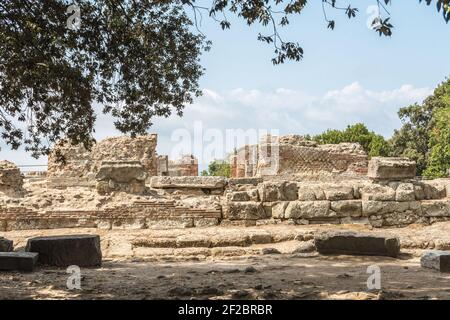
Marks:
<point>193,264</point>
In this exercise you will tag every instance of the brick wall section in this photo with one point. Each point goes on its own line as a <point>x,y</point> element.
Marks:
<point>186,166</point>
<point>288,155</point>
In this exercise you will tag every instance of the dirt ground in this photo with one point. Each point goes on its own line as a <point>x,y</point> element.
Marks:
<point>284,267</point>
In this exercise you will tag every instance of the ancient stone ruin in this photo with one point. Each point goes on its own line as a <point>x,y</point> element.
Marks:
<point>293,156</point>
<point>123,184</point>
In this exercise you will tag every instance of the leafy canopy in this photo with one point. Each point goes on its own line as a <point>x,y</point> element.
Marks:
<point>133,59</point>
<point>424,130</point>
<point>218,168</point>
<point>137,59</point>
<point>374,144</point>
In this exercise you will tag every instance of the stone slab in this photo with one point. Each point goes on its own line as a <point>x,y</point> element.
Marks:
<point>385,168</point>
<point>63,251</point>
<point>165,182</point>
<point>436,259</point>
<point>357,244</point>
<point>18,261</point>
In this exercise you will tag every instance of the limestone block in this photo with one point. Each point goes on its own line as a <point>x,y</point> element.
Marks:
<point>244,211</point>
<point>278,191</point>
<point>436,208</point>
<point>206,222</point>
<point>357,244</point>
<point>405,192</point>
<point>121,171</point>
<point>419,192</point>
<point>188,182</point>
<point>335,193</point>
<point>434,189</point>
<point>250,195</point>
<point>384,207</point>
<point>436,259</point>
<point>346,208</point>
<point>306,193</point>
<point>63,251</point>
<point>278,209</point>
<point>11,180</point>
<point>308,209</point>
<point>383,168</point>
<point>377,192</point>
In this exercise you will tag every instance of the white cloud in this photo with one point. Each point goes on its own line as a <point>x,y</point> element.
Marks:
<point>283,109</point>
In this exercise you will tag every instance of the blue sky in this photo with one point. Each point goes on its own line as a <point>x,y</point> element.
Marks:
<point>347,75</point>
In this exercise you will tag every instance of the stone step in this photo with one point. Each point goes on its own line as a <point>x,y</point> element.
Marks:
<point>18,261</point>
<point>63,251</point>
<point>436,259</point>
<point>357,244</point>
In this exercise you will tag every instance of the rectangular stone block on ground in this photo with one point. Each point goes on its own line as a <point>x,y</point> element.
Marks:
<point>18,261</point>
<point>436,259</point>
<point>383,168</point>
<point>357,244</point>
<point>63,251</point>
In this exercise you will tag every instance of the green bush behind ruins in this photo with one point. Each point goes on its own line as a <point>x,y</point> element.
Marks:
<point>423,137</point>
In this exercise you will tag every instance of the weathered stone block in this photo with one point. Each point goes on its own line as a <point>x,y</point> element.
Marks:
<point>405,192</point>
<point>306,193</point>
<point>436,208</point>
<point>243,181</point>
<point>63,251</point>
<point>121,171</point>
<point>6,245</point>
<point>434,190</point>
<point>278,191</point>
<point>357,244</point>
<point>308,209</point>
<point>206,222</point>
<point>382,168</point>
<point>127,176</point>
<point>278,209</point>
<point>188,182</point>
<point>336,193</point>
<point>346,208</point>
<point>244,211</point>
<point>18,261</point>
<point>436,259</point>
<point>250,195</point>
<point>11,179</point>
<point>377,192</point>
<point>384,207</point>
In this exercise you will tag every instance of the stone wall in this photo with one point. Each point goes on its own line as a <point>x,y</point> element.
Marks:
<point>11,180</point>
<point>79,162</point>
<point>186,166</point>
<point>395,203</point>
<point>179,202</point>
<point>293,155</point>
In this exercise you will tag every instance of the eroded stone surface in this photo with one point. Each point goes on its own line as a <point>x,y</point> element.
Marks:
<point>188,182</point>
<point>383,168</point>
<point>436,259</point>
